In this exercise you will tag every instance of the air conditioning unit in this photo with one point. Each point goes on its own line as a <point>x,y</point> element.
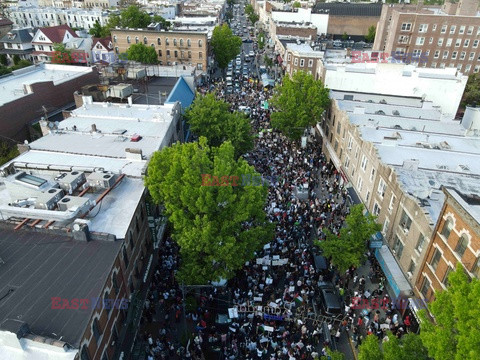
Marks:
<point>48,199</point>
<point>409,274</point>
<point>71,203</point>
<point>70,181</point>
<point>101,180</point>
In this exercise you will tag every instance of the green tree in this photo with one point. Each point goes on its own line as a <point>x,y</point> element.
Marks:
<point>455,332</point>
<point>211,118</point>
<point>21,64</point>
<point>333,355</point>
<point>225,45</point>
<point>471,95</point>
<point>142,53</point>
<point>268,62</point>
<point>3,60</point>
<point>409,347</point>
<point>131,17</point>
<point>218,228</point>
<point>99,31</point>
<point>250,12</point>
<point>160,19</point>
<point>370,37</point>
<point>297,4</point>
<point>261,40</point>
<point>4,70</point>
<point>7,152</point>
<point>229,15</point>
<point>345,36</point>
<point>61,55</point>
<point>298,102</point>
<point>348,249</point>
<point>16,59</point>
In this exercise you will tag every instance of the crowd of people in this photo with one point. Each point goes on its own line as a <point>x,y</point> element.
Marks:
<point>304,199</point>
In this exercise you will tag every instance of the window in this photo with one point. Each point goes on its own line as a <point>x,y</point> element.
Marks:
<point>382,187</point>
<point>461,245</point>
<point>175,52</point>
<point>136,39</point>
<point>434,64</point>
<point>350,142</point>
<point>347,162</point>
<point>475,43</point>
<point>462,55</point>
<point>434,27</point>
<point>411,268</point>
<point>406,26</point>
<point>454,55</point>
<point>430,41</point>
<point>117,50</point>
<point>420,243</point>
<point>440,42</point>
<point>115,38</point>
<point>422,28</point>
<point>289,58</point>
<point>200,55</point>
<point>442,65</point>
<point>125,257</point>
<point>478,31</point>
<point>295,62</point>
<point>107,303</point>
<point>447,228</point>
<point>476,268</point>
<point>398,247</point>
<point>199,43</point>
<point>189,42</point>
<point>200,66</point>
<point>115,282</point>
<point>405,221</point>
<point>302,62</point>
<point>458,42</point>
<point>166,41</point>
<point>359,184</point>
<point>385,226</point>
<point>452,29</point>
<point>84,353</point>
<point>471,56</point>
<point>420,41</point>
<point>445,54</point>
<point>467,68</point>
<point>425,286</point>
<point>437,54</point>
<point>160,53</point>
<point>181,42</point>
<point>392,202</point>
<point>449,42</point>
<point>466,43</point>
<point>174,42</point>
<point>96,330</point>
<point>159,41</point>
<point>444,29</point>
<point>105,355</point>
<point>353,171</point>
<point>445,276</point>
<point>437,255</point>
<point>403,39</point>
<point>376,209</point>
<point>372,175</point>
<point>168,53</point>
<point>128,39</point>
<point>416,54</point>
<point>310,62</point>
<point>189,54</point>
<point>470,30</point>
<point>368,196</point>
<point>364,163</point>
<point>145,40</point>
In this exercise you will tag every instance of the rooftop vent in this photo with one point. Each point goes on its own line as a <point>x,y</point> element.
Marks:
<point>398,127</point>
<point>396,112</point>
<point>383,101</point>
<point>379,112</point>
<point>442,167</point>
<point>463,167</point>
<point>444,145</point>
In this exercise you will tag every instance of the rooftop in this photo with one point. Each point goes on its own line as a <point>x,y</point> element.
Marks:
<point>38,266</point>
<point>425,149</point>
<point>15,86</point>
<point>348,9</point>
<point>470,202</point>
<point>304,49</point>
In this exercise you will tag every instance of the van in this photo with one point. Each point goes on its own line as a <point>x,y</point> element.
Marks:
<point>329,300</point>
<point>229,79</point>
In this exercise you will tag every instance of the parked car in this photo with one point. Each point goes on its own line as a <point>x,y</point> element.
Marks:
<point>329,300</point>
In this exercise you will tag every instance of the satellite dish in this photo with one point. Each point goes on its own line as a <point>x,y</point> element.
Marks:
<point>76,227</point>
<point>26,142</point>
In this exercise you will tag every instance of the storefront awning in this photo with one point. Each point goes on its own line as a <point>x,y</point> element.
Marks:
<point>397,281</point>
<point>352,195</point>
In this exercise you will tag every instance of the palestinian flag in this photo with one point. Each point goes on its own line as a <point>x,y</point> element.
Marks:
<point>298,300</point>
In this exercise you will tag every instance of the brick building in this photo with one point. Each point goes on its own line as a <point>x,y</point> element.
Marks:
<point>447,36</point>
<point>301,57</point>
<point>456,239</point>
<point>297,30</point>
<point>172,47</point>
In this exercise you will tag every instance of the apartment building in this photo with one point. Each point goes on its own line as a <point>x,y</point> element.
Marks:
<point>301,57</point>
<point>319,20</point>
<point>394,153</point>
<point>456,239</point>
<point>65,4</point>
<point>46,38</point>
<point>447,36</point>
<point>43,17</point>
<point>172,47</point>
<point>17,42</point>
<point>86,219</point>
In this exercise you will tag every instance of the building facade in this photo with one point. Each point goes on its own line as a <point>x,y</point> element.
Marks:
<point>301,58</point>
<point>17,42</point>
<point>172,47</point>
<point>446,37</point>
<point>456,239</point>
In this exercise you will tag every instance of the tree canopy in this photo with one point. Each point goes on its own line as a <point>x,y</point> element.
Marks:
<point>349,247</point>
<point>250,12</point>
<point>225,45</point>
<point>132,17</point>
<point>471,95</point>
<point>218,228</point>
<point>409,347</point>
<point>370,37</point>
<point>61,55</point>
<point>142,53</point>
<point>211,117</point>
<point>454,334</point>
<point>298,102</point>
<point>99,31</point>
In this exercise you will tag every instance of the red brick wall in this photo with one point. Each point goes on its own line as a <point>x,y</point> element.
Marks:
<point>16,115</point>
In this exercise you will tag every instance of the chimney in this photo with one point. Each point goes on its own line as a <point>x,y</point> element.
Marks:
<point>94,128</point>
<point>130,101</point>
<point>80,230</point>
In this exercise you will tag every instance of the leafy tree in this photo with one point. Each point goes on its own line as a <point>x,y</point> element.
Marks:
<point>471,94</point>
<point>21,64</point>
<point>225,45</point>
<point>299,102</point>
<point>3,60</point>
<point>4,70</point>
<point>250,12</point>
<point>160,19</point>
<point>132,17</point>
<point>61,55</point>
<point>218,228</point>
<point>142,53</point>
<point>455,332</point>
<point>370,37</point>
<point>7,152</point>
<point>229,15</point>
<point>16,59</point>
<point>409,347</point>
<point>297,4</point>
<point>99,31</point>
<point>333,355</point>
<point>345,36</point>
<point>212,118</point>
<point>261,40</point>
<point>268,62</point>
<point>348,248</point>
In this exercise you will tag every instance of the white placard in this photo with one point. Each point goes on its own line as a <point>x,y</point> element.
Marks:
<point>258,298</point>
<point>232,313</point>
<point>276,257</point>
<point>272,304</point>
<point>267,246</point>
<point>268,328</point>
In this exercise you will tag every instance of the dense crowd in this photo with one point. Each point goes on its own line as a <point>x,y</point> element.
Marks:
<point>305,198</point>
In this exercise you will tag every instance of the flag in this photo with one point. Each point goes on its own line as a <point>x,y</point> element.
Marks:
<point>298,300</point>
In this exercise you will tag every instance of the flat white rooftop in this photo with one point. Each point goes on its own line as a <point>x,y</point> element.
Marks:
<point>17,85</point>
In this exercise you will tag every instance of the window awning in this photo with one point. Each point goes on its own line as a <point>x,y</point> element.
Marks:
<point>397,281</point>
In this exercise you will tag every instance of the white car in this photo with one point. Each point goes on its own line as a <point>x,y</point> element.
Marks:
<point>251,54</point>
<point>238,62</point>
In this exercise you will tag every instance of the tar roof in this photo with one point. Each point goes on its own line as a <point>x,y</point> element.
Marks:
<point>38,266</point>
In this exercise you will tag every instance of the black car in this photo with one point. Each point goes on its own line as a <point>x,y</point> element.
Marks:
<point>329,299</point>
